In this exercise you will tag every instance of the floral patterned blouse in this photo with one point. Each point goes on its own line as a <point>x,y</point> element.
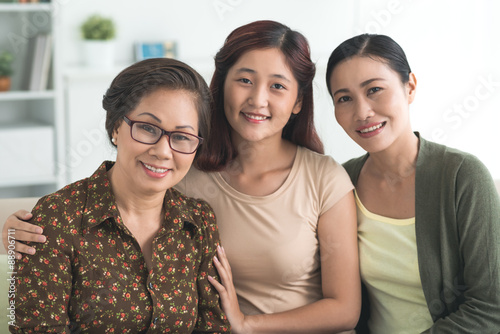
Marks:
<point>90,275</point>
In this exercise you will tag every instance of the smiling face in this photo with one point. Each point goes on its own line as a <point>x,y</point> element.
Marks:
<point>260,94</point>
<point>155,168</point>
<point>371,102</point>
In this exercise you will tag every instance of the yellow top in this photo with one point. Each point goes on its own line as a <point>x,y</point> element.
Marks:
<point>389,269</point>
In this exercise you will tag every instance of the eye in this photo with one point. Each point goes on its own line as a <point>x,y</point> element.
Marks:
<point>374,90</point>
<point>277,86</point>
<point>145,127</point>
<point>343,99</point>
<point>178,136</point>
<point>245,80</point>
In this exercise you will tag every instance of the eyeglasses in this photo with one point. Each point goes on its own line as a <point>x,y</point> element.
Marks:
<point>150,134</point>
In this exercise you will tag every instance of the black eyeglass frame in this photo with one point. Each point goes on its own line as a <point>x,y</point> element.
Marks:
<point>163,132</point>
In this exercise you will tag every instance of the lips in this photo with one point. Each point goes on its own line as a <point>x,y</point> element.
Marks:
<point>371,129</point>
<point>155,171</point>
<point>256,117</point>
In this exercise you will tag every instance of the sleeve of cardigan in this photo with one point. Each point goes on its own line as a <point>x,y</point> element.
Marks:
<point>478,222</point>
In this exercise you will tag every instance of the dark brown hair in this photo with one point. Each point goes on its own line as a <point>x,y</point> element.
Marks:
<point>148,76</point>
<point>379,47</point>
<point>300,129</point>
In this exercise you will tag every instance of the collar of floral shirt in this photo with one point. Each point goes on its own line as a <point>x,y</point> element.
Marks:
<point>180,211</point>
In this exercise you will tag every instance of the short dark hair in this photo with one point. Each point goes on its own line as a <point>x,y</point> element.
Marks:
<point>147,76</point>
<point>300,129</point>
<point>379,47</point>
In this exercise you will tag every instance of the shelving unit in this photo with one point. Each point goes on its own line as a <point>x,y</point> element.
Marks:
<point>32,135</point>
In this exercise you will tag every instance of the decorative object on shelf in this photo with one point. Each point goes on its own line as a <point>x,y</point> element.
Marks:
<point>146,50</point>
<point>98,41</point>
<point>6,59</point>
<point>41,50</point>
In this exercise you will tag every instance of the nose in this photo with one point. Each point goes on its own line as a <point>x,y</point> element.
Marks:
<point>259,96</point>
<point>162,149</point>
<point>363,110</point>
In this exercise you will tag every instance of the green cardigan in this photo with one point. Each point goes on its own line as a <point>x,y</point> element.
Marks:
<point>457,226</point>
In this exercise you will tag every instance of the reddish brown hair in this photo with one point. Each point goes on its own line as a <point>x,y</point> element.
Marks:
<point>300,130</point>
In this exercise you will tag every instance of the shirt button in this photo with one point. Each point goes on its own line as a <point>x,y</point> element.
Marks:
<point>150,286</point>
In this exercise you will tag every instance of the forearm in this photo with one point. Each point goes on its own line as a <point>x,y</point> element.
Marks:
<point>327,315</point>
<point>469,319</point>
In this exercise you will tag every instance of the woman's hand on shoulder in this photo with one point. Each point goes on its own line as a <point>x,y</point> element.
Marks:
<point>227,292</point>
<point>16,228</point>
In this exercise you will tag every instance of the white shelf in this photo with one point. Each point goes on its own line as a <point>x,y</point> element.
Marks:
<point>27,181</point>
<point>25,7</point>
<point>27,95</point>
<point>24,125</point>
<point>86,73</point>
<point>32,128</point>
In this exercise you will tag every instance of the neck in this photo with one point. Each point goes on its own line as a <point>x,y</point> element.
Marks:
<point>132,203</point>
<point>399,160</point>
<point>256,157</point>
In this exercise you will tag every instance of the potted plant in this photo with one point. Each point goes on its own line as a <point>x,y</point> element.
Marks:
<point>6,59</point>
<point>98,34</point>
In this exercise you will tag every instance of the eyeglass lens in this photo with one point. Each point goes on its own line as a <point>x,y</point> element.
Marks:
<point>150,134</point>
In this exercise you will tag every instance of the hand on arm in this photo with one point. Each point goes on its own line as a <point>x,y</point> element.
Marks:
<point>340,307</point>
<point>23,232</point>
<point>227,292</point>
<point>211,318</point>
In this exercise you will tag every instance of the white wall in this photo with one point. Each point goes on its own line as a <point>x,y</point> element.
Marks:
<point>451,45</point>
<point>453,49</point>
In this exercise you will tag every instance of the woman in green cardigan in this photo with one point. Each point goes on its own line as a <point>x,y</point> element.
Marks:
<point>428,215</point>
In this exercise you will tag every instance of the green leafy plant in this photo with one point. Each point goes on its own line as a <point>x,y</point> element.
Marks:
<point>6,59</point>
<point>97,27</point>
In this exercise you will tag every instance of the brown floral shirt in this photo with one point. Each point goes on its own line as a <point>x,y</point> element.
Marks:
<point>90,275</point>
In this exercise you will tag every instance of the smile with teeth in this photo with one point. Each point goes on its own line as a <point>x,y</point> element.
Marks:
<point>372,128</point>
<point>154,169</point>
<point>256,117</point>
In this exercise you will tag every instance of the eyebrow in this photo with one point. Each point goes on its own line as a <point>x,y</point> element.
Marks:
<point>184,127</point>
<point>363,84</point>
<point>151,115</point>
<point>249,70</point>
<point>159,121</point>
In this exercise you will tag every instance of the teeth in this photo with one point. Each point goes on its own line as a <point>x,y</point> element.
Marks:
<point>259,118</point>
<point>156,170</point>
<point>372,128</point>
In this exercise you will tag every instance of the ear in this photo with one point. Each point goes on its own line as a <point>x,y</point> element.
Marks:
<point>297,107</point>
<point>114,137</point>
<point>411,87</point>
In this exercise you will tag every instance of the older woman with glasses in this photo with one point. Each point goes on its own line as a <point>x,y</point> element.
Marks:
<point>125,252</point>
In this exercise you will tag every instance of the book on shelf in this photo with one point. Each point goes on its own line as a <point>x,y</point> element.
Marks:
<point>41,54</point>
